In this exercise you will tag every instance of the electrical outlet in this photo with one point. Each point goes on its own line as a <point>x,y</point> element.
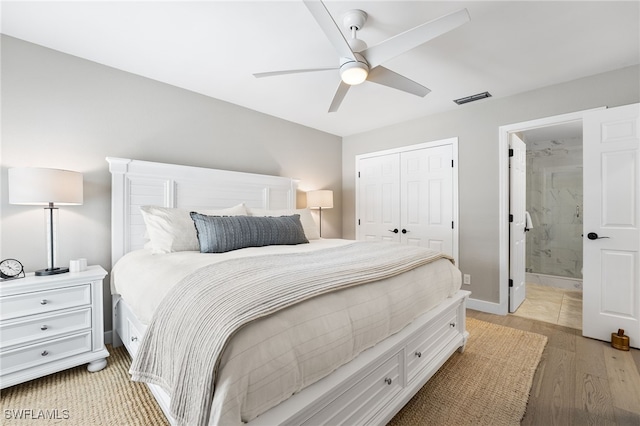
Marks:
<point>466,279</point>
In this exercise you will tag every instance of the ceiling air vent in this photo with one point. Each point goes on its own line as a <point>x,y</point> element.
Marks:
<point>472,98</point>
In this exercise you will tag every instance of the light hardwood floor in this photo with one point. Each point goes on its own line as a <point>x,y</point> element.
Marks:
<point>579,381</point>
<point>551,304</point>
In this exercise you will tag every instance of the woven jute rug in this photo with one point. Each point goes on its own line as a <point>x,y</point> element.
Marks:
<point>488,384</point>
<point>79,398</point>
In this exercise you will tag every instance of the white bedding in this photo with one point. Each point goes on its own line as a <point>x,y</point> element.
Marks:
<point>270,359</point>
<point>143,278</point>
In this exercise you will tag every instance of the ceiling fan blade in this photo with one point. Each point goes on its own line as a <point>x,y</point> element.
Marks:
<point>343,88</point>
<point>386,77</point>
<point>414,37</point>
<point>330,28</point>
<point>274,73</point>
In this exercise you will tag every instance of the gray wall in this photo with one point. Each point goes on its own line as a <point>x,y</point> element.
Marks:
<point>60,111</point>
<point>476,125</point>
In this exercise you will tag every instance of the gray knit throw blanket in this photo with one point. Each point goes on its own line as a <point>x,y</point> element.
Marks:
<point>182,346</point>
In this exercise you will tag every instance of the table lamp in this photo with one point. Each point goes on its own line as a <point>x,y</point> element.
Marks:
<point>320,199</point>
<point>48,187</point>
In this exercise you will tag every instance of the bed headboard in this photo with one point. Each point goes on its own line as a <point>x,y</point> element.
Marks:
<point>137,183</point>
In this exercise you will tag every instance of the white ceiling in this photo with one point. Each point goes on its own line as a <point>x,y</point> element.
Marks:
<point>214,47</point>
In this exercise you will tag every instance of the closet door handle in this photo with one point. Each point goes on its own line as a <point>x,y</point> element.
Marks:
<point>395,231</point>
<point>404,231</point>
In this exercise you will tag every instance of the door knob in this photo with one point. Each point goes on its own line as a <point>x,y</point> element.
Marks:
<point>395,231</point>
<point>594,236</point>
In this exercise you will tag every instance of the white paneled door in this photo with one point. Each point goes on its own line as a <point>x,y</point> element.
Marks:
<point>408,197</point>
<point>611,283</point>
<point>517,205</point>
<point>426,182</point>
<point>379,198</point>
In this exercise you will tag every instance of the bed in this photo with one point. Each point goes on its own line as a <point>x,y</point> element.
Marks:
<point>290,363</point>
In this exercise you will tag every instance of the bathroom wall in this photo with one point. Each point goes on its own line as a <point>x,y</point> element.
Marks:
<point>554,200</point>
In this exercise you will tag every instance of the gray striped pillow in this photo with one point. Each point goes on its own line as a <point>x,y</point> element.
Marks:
<point>219,234</point>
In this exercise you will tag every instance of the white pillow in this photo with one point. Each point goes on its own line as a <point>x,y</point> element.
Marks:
<point>308,224</point>
<point>172,229</point>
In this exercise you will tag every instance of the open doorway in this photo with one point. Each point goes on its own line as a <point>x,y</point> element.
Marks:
<point>564,127</point>
<point>611,217</point>
<point>554,206</point>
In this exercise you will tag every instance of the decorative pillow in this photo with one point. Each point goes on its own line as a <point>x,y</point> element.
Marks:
<point>172,229</point>
<point>219,234</point>
<point>309,225</point>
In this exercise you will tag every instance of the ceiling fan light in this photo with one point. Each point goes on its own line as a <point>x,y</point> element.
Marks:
<point>353,73</point>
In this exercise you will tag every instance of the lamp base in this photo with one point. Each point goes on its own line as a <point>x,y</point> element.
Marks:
<point>51,271</point>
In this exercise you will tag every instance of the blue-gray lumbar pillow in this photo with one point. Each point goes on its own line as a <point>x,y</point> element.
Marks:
<point>219,234</point>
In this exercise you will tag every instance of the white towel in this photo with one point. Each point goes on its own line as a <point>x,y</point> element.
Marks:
<point>528,223</point>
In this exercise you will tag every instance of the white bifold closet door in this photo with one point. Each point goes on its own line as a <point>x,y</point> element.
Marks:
<point>408,197</point>
<point>378,197</point>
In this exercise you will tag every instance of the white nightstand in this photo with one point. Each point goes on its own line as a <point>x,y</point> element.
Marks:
<point>51,323</point>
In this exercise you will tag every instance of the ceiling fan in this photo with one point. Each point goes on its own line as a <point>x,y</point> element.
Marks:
<point>359,63</point>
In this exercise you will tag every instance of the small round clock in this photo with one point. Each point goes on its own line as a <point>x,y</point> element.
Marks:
<point>10,268</point>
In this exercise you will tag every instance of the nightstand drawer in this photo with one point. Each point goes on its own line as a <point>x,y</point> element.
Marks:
<point>41,353</point>
<point>44,301</point>
<point>46,326</point>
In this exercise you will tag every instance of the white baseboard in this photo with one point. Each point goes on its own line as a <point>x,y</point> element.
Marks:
<point>484,306</point>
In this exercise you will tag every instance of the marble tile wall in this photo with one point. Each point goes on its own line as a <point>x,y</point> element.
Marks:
<point>554,201</point>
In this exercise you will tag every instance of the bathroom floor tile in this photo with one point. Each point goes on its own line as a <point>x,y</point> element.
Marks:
<point>553,305</point>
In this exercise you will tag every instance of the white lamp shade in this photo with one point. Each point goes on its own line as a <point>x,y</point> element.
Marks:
<point>39,186</point>
<point>321,198</point>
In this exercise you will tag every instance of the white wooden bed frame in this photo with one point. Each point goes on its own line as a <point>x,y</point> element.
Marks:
<point>371,388</point>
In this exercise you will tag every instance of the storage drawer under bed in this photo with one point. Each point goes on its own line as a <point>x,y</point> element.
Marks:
<point>429,342</point>
<point>354,405</point>
<point>127,326</point>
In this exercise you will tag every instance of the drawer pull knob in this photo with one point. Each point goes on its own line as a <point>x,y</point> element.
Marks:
<point>388,381</point>
<point>44,353</point>
<point>44,327</point>
<point>418,354</point>
<point>452,325</point>
<point>134,339</point>
<point>43,302</point>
